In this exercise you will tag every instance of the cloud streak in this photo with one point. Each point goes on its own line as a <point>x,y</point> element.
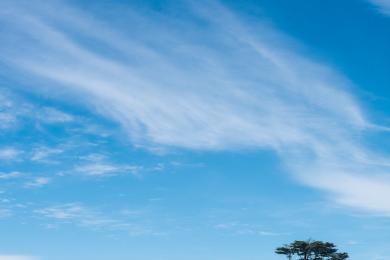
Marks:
<point>9,153</point>
<point>223,86</point>
<point>17,257</point>
<point>9,175</point>
<point>106,169</point>
<point>38,182</point>
<point>382,5</point>
<point>78,214</point>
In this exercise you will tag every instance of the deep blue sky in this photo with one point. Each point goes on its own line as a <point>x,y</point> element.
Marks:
<point>172,130</point>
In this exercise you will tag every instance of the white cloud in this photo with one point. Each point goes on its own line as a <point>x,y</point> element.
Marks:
<point>246,229</point>
<point>106,169</point>
<point>9,153</point>
<point>17,257</point>
<point>9,175</point>
<point>14,110</point>
<point>94,157</point>
<point>38,182</point>
<point>382,5</point>
<point>78,214</point>
<point>226,85</point>
<point>370,193</point>
<point>5,213</point>
<point>97,169</point>
<point>208,107</point>
<point>65,211</point>
<point>52,115</point>
<point>7,118</point>
<point>42,154</point>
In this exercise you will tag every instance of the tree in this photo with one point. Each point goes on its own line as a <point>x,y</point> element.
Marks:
<point>285,250</point>
<point>301,248</point>
<point>338,256</point>
<point>311,250</point>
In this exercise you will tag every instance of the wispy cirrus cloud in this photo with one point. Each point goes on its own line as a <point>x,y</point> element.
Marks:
<point>106,169</point>
<point>52,115</point>
<point>5,213</point>
<point>14,111</point>
<point>9,153</point>
<point>38,182</point>
<point>224,86</point>
<point>7,115</point>
<point>79,214</point>
<point>75,212</point>
<point>43,153</point>
<point>382,5</point>
<point>215,111</point>
<point>9,175</point>
<point>17,257</point>
<point>98,165</point>
<point>246,229</point>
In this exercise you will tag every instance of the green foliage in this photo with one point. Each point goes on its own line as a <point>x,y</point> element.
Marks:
<point>311,250</point>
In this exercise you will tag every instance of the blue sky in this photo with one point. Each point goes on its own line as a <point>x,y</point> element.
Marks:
<point>193,129</point>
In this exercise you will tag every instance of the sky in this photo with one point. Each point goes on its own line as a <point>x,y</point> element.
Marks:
<point>197,130</point>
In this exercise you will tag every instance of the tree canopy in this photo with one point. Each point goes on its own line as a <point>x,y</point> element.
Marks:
<point>311,250</point>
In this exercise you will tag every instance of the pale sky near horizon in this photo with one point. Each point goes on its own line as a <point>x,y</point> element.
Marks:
<point>196,130</point>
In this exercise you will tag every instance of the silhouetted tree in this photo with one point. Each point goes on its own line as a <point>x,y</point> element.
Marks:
<point>339,256</point>
<point>311,250</point>
<point>285,250</point>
